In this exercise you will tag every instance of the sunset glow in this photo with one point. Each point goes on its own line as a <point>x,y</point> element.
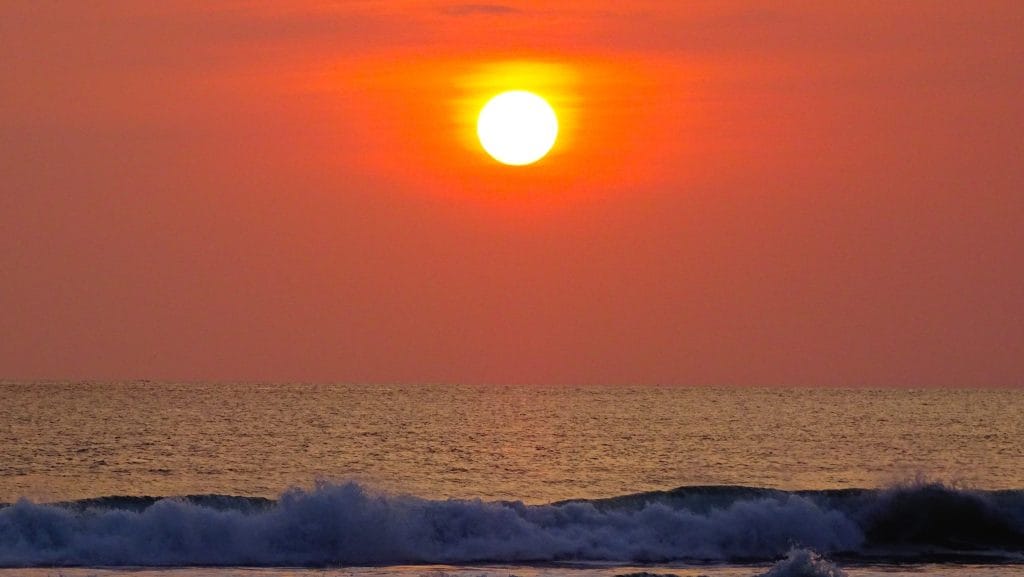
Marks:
<point>802,193</point>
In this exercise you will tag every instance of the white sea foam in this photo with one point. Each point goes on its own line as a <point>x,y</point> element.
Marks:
<point>804,563</point>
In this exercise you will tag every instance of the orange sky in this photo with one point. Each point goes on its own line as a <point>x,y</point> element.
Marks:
<point>823,193</point>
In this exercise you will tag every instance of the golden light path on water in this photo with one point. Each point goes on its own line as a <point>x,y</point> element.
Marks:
<point>68,441</point>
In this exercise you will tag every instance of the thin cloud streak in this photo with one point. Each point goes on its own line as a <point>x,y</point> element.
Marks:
<point>478,9</point>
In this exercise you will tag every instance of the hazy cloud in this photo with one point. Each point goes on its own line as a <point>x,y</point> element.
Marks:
<point>475,9</point>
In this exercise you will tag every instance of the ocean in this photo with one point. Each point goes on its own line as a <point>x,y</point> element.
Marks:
<point>163,479</point>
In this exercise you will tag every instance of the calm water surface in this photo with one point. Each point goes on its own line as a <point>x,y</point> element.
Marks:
<point>538,444</point>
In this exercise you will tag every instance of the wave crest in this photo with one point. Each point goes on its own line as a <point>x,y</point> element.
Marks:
<point>347,524</point>
<point>804,563</point>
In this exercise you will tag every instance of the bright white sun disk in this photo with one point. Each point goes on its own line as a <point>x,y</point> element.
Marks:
<point>517,127</point>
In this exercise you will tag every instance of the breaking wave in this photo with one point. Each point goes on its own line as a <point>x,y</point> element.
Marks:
<point>347,524</point>
<point>804,563</point>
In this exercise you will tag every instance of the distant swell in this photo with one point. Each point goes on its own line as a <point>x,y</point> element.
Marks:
<point>349,525</point>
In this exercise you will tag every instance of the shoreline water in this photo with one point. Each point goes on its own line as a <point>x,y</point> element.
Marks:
<point>781,568</point>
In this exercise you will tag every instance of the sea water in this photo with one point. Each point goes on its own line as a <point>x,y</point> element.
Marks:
<point>497,481</point>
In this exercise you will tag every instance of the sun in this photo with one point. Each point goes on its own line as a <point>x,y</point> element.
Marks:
<point>517,127</point>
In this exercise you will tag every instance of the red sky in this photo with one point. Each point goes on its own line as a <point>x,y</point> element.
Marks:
<point>818,193</point>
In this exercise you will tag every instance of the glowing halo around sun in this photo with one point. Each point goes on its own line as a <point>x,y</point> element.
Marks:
<point>517,127</point>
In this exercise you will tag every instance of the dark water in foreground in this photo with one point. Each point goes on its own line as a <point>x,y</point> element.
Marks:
<point>523,481</point>
<point>771,570</point>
